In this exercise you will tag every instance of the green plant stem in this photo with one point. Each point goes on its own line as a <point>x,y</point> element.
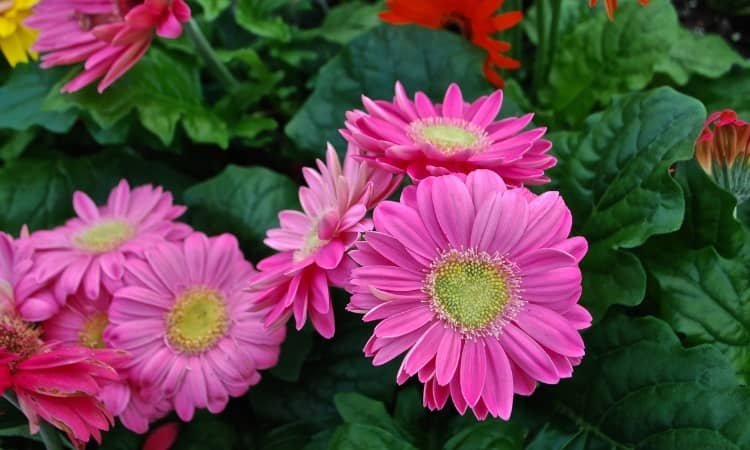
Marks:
<point>209,56</point>
<point>553,33</point>
<point>516,33</point>
<point>541,49</point>
<point>50,437</point>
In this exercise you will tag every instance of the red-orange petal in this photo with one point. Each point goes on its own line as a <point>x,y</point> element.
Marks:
<point>492,75</point>
<point>507,20</point>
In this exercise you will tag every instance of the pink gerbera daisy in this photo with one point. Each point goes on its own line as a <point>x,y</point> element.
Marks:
<point>108,36</point>
<point>19,290</point>
<point>90,250</point>
<point>423,139</point>
<point>478,284</point>
<point>312,243</point>
<point>195,336</point>
<point>57,383</point>
<point>82,321</point>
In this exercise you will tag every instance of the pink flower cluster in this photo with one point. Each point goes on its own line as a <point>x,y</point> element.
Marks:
<point>471,275</point>
<point>137,315</point>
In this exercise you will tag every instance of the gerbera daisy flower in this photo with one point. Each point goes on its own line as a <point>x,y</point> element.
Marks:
<point>108,36</point>
<point>15,38</point>
<point>723,151</point>
<point>82,321</point>
<point>195,336</point>
<point>424,139</point>
<point>474,19</point>
<point>312,244</point>
<point>57,383</point>
<point>89,251</point>
<point>19,290</point>
<point>478,285</point>
<point>611,6</point>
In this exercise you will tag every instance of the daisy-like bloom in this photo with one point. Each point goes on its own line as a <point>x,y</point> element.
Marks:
<point>108,36</point>
<point>312,244</point>
<point>15,38</point>
<point>57,383</point>
<point>89,251</point>
<point>82,321</point>
<point>611,6</point>
<point>478,284</point>
<point>19,290</point>
<point>424,139</point>
<point>723,151</point>
<point>475,19</point>
<point>184,315</point>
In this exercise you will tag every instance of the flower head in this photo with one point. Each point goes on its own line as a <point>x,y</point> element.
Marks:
<point>16,39</point>
<point>424,139</point>
<point>611,6</point>
<point>312,243</point>
<point>195,336</point>
<point>57,383</point>
<point>475,19</point>
<point>723,151</point>
<point>90,250</point>
<point>479,286</point>
<point>108,36</point>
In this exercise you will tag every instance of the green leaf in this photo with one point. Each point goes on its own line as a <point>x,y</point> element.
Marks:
<point>599,59</point>
<point>15,143</point>
<point>371,64</point>
<point>492,434</point>
<point>347,21</point>
<point>732,91</point>
<point>257,17</point>
<point>244,201</point>
<point>212,8</point>
<point>357,409</point>
<point>164,90</point>
<point>22,97</point>
<point>38,192</point>
<point>206,431</point>
<point>294,350</point>
<point>707,55</point>
<point>638,388</point>
<point>365,437</point>
<point>615,178</point>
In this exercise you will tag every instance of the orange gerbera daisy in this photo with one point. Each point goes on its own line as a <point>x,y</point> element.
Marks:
<point>475,19</point>
<point>611,6</point>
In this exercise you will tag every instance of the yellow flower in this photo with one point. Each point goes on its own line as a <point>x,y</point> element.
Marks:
<point>15,38</point>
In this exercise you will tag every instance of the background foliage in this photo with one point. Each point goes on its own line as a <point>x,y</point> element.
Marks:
<point>666,278</point>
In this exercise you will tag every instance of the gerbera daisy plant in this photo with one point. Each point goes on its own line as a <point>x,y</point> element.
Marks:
<point>16,38</point>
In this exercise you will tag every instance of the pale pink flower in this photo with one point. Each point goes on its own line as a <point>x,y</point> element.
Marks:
<point>423,139</point>
<point>89,251</point>
<point>82,321</point>
<point>312,244</point>
<point>184,315</point>
<point>478,284</point>
<point>108,36</point>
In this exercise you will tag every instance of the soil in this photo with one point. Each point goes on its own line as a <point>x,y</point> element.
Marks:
<point>697,15</point>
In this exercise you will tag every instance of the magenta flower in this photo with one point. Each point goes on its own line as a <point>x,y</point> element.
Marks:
<point>312,243</point>
<point>82,321</point>
<point>90,250</point>
<point>108,36</point>
<point>19,290</point>
<point>184,315</point>
<point>478,285</point>
<point>424,139</point>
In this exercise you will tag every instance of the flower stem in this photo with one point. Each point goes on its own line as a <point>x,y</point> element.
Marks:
<point>554,31</point>
<point>541,49</point>
<point>50,436</point>
<point>209,56</point>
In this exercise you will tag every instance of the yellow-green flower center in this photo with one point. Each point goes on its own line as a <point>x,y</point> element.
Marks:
<point>197,320</point>
<point>473,291</point>
<point>448,135</point>
<point>312,244</point>
<point>105,236</point>
<point>92,331</point>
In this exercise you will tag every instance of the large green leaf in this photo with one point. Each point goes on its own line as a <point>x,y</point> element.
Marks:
<point>707,55</point>
<point>22,96</point>
<point>598,58</point>
<point>732,91</point>
<point>259,17</point>
<point>638,388</point>
<point>347,21</point>
<point>614,176</point>
<point>38,192</point>
<point>421,59</point>
<point>366,437</point>
<point>163,89</point>
<point>244,201</point>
